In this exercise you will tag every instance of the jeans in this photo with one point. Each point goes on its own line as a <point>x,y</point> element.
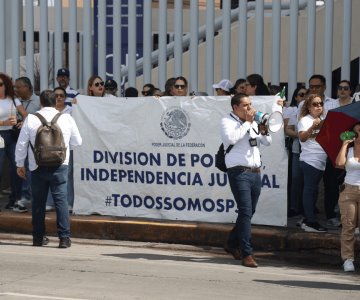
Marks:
<point>9,151</point>
<point>349,204</point>
<point>296,184</point>
<point>54,178</point>
<point>333,178</point>
<point>70,186</point>
<point>312,177</point>
<point>246,187</point>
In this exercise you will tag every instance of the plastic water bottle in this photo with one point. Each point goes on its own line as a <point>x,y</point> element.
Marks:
<point>347,135</point>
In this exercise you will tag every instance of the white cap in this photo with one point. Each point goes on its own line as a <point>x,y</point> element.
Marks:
<point>224,84</point>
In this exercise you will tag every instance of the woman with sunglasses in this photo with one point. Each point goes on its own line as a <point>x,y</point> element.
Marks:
<point>8,107</point>
<point>95,86</point>
<point>295,183</point>
<point>312,158</point>
<point>180,87</point>
<point>344,92</point>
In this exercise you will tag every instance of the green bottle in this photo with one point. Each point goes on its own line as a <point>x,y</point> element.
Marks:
<point>347,135</point>
<point>282,93</point>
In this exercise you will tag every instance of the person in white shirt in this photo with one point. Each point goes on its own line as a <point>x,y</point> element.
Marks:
<point>60,96</point>
<point>312,158</point>
<point>349,202</point>
<point>43,178</point>
<point>243,162</point>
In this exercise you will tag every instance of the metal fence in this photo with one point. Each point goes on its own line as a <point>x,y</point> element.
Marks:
<point>199,41</point>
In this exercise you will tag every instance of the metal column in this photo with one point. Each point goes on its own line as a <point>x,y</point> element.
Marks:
<point>346,48</point>
<point>209,72</point>
<point>276,41</point>
<point>101,39</point>
<point>162,43</point>
<point>15,38</point>
<point>30,40</point>
<point>178,29</point>
<point>73,43</point>
<point>87,45</point>
<point>242,44</point>
<point>328,42</point>
<point>148,45</point>
<point>194,44</point>
<point>293,47</point>
<point>311,38</point>
<point>132,42</point>
<point>259,36</point>
<point>44,48</point>
<point>226,42</point>
<point>58,39</point>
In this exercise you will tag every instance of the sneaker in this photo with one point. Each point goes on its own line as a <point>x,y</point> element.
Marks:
<point>65,242</point>
<point>313,227</point>
<point>24,202</point>
<point>38,242</point>
<point>349,266</point>
<point>20,209</point>
<point>333,222</point>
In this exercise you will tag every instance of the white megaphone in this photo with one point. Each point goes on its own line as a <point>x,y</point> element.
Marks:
<point>273,122</point>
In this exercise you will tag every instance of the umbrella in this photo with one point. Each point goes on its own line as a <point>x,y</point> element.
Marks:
<point>337,121</point>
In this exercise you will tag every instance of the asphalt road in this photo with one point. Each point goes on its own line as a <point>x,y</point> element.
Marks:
<point>101,269</point>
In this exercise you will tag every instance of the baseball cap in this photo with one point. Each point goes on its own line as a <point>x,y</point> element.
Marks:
<point>63,72</point>
<point>110,84</point>
<point>224,84</point>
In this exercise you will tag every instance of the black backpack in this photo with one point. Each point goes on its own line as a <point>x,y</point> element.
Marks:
<point>49,148</point>
<point>220,157</point>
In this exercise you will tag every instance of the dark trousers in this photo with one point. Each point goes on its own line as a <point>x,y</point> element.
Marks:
<point>246,187</point>
<point>55,179</point>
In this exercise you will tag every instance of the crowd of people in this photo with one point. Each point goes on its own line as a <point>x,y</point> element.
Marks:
<point>308,162</point>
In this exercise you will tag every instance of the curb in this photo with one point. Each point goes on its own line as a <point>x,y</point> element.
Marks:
<point>175,232</point>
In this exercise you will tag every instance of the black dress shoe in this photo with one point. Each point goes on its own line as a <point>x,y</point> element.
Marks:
<point>235,252</point>
<point>38,242</point>
<point>65,242</point>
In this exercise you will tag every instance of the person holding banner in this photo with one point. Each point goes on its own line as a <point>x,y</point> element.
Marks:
<point>96,86</point>
<point>243,162</point>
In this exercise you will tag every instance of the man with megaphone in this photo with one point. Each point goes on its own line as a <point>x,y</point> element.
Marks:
<point>243,162</point>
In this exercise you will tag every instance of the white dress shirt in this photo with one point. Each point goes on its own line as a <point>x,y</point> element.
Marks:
<point>236,132</point>
<point>31,124</point>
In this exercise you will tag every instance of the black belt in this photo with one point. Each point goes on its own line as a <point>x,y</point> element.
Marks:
<point>243,168</point>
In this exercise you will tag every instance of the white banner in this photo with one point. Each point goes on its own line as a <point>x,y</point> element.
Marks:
<point>154,158</point>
